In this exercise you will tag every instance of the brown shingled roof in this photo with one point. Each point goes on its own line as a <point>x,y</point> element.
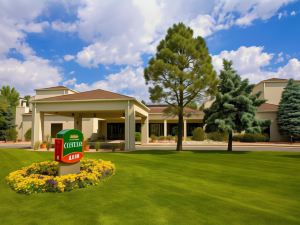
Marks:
<point>161,108</point>
<point>87,95</point>
<point>267,107</point>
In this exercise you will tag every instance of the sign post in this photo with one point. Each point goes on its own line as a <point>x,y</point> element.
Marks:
<point>68,151</point>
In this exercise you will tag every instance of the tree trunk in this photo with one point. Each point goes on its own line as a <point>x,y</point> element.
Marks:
<point>229,148</point>
<point>180,131</point>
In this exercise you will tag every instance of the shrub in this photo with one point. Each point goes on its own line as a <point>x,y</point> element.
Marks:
<point>122,146</point>
<point>248,137</point>
<point>11,134</point>
<point>198,134</point>
<point>97,146</point>
<point>153,138</point>
<point>137,136</point>
<point>36,145</point>
<point>43,177</point>
<point>217,136</point>
<point>170,138</point>
<point>27,135</point>
<point>162,138</point>
<point>48,142</point>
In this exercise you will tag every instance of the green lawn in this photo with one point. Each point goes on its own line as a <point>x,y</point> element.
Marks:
<point>165,187</point>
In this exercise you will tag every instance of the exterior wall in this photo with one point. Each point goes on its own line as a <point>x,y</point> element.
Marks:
<point>26,125</point>
<point>259,88</point>
<point>20,110</point>
<point>51,93</point>
<point>273,92</point>
<point>274,133</point>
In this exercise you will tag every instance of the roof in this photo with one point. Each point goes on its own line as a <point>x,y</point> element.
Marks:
<point>53,88</point>
<point>267,107</point>
<point>88,95</point>
<point>161,108</point>
<point>274,79</point>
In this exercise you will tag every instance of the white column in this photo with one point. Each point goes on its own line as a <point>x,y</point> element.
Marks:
<point>36,128</point>
<point>165,128</point>
<point>78,121</point>
<point>129,127</point>
<point>43,125</point>
<point>145,130</point>
<point>184,130</point>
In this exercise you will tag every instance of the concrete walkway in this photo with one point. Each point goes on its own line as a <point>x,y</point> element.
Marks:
<point>237,146</point>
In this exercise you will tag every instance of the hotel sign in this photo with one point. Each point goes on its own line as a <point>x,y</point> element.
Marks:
<point>68,146</point>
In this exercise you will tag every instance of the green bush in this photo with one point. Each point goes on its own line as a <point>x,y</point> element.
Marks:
<point>247,137</point>
<point>11,134</point>
<point>198,134</point>
<point>217,136</point>
<point>36,145</point>
<point>137,136</point>
<point>28,135</point>
<point>97,146</point>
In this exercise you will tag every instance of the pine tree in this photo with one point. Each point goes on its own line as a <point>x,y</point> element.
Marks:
<point>288,117</point>
<point>234,107</point>
<point>180,73</point>
<point>6,122</point>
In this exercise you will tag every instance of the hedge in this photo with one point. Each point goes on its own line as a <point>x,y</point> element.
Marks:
<point>247,137</point>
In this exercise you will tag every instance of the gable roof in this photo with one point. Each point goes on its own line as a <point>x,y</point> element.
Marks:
<point>88,95</point>
<point>267,107</point>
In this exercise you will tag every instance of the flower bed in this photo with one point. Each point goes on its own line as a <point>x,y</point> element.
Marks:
<point>43,177</point>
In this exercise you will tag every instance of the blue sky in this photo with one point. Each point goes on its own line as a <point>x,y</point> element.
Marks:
<point>89,44</point>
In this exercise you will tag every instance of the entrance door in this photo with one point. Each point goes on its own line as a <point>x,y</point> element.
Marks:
<point>55,128</point>
<point>115,131</point>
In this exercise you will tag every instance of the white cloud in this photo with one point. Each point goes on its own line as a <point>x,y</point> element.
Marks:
<point>290,70</point>
<point>129,81</point>
<point>63,26</point>
<point>119,32</point>
<point>30,74</point>
<point>245,59</point>
<point>293,13</point>
<point>70,82</point>
<point>252,63</point>
<point>203,25</point>
<point>68,57</point>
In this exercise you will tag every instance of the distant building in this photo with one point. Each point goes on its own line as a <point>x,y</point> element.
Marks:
<point>106,115</point>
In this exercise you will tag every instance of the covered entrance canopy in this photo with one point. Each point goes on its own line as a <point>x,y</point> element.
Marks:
<point>92,104</point>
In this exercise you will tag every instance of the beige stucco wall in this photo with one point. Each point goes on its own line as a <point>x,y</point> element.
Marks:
<point>274,133</point>
<point>273,92</point>
<point>89,125</point>
<point>259,88</point>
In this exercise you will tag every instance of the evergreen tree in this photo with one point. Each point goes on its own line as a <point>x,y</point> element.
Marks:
<point>288,117</point>
<point>12,96</point>
<point>234,107</point>
<point>27,99</point>
<point>180,72</point>
<point>6,122</point>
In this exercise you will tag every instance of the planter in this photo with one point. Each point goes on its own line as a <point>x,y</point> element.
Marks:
<point>87,148</point>
<point>43,145</point>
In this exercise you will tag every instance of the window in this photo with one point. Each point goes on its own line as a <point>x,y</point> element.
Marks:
<point>55,128</point>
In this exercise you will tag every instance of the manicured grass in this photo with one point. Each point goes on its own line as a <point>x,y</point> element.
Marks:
<point>165,187</point>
